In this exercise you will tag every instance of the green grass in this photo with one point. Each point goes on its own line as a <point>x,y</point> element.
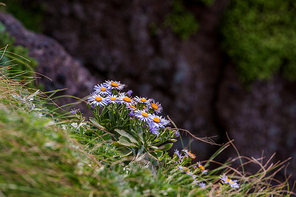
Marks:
<point>23,65</point>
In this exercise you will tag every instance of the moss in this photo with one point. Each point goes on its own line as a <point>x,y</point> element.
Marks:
<point>181,21</point>
<point>260,37</point>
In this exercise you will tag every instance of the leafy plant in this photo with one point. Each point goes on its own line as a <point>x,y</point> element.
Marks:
<point>132,122</point>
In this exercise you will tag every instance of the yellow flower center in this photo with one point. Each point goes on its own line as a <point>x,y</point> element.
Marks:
<point>103,89</point>
<point>154,106</point>
<point>191,155</point>
<point>144,114</point>
<point>113,98</point>
<point>114,84</point>
<point>201,167</point>
<point>126,99</point>
<point>187,171</point>
<point>98,98</point>
<point>157,120</point>
<point>133,107</point>
<point>143,100</point>
<point>231,182</point>
<point>227,180</point>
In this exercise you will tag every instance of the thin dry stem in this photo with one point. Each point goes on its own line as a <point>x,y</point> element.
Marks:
<point>4,49</point>
<point>205,139</point>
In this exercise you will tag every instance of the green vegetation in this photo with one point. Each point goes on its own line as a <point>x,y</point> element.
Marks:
<point>260,37</point>
<point>44,153</point>
<point>181,21</point>
<point>25,65</point>
<point>29,13</point>
<point>121,151</point>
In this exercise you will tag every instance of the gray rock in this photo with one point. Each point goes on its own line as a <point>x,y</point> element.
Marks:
<point>262,119</point>
<point>61,70</point>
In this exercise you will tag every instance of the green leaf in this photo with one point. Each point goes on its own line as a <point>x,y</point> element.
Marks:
<point>125,141</point>
<point>140,134</point>
<point>156,153</point>
<point>166,147</point>
<point>111,116</point>
<point>107,137</point>
<point>92,120</point>
<point>153,147</point>
<point>122,148</point>
<point>140,151</point>
<point>127,135</point>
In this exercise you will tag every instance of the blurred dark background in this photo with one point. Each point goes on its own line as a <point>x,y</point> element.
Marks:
<point>216,66</point>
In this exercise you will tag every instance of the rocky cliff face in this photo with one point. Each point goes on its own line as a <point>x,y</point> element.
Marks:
<point>261,118</point>
<point>193,79</point>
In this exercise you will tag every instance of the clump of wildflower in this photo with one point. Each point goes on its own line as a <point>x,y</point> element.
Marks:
<point>232,183</point>
<point>140,107</point>
<point>132,117</point>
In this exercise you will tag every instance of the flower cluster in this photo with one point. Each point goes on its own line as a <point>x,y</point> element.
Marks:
<point>190,171</point>
<point>142,108</point>
<point>135,123</point>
